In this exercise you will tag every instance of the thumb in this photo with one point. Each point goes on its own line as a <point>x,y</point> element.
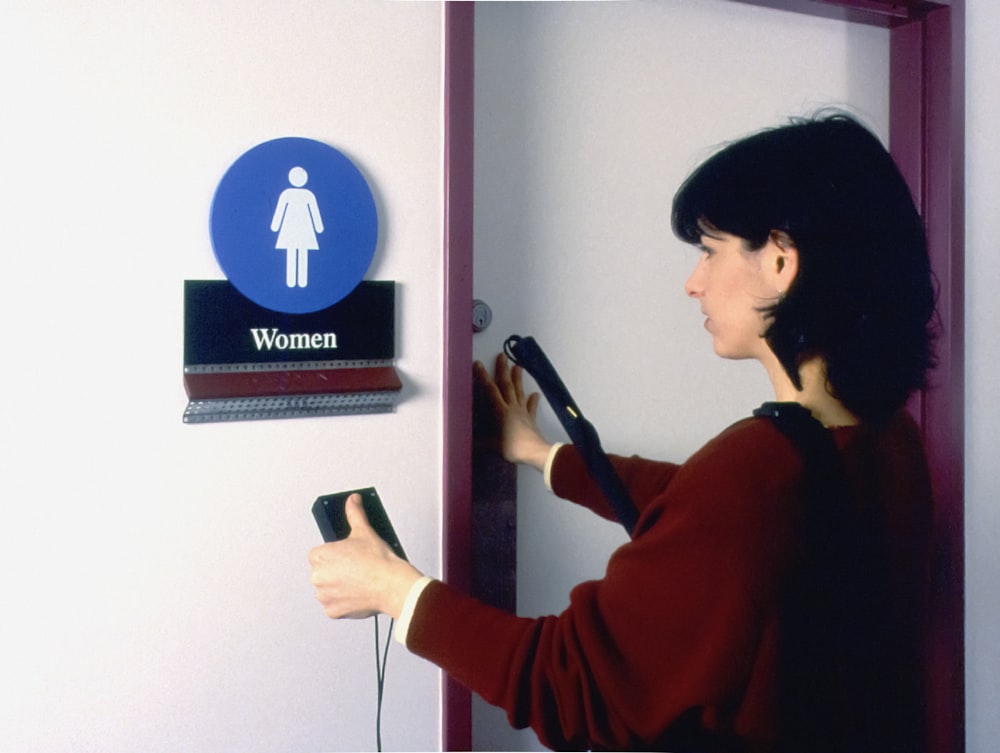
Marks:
<point>356,516</point>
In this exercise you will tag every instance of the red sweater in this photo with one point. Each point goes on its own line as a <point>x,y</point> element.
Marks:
<point>676,648</point>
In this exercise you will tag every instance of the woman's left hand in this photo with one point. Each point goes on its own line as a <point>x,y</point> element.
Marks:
<point>360,576</point>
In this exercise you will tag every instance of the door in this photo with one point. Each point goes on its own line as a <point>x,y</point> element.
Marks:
<point>587,117</point>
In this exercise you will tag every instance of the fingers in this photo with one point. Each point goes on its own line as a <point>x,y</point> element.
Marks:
<point>509,380</point>
<point>517,379</point>
<point>485,380</point>
<point>342,573</point>
<point>494,398</point>
<point>533,404</point>
<point>360,576</point>
<point>501,376</point>
<point>505,388</point>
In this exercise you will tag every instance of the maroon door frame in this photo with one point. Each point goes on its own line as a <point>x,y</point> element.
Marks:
<point>926,136</point>
<point>926,106</point>
<point>459,88</point>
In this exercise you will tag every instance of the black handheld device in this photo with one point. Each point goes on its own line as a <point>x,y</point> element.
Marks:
<point>331,517</point>
<point>527,354</point>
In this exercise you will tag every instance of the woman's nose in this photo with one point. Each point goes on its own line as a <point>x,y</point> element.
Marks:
<point>693,286</point>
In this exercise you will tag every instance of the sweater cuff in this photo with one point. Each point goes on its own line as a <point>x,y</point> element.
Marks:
<point>549,461</point>
<point>409,607</point>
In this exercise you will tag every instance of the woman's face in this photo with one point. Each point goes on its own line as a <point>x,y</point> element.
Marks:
<point>732,284</point>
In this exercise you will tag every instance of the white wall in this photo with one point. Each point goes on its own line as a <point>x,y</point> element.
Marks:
<point>589,116</point>
<point>982,415</point>
<point>153,574</point>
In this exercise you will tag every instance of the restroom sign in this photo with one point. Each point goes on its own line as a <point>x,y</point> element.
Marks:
<point>294,225</point>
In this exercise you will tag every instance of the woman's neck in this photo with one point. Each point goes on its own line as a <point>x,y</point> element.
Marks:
<point>814,395</point>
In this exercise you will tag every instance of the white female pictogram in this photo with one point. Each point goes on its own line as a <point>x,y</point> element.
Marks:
<point>297,221</point>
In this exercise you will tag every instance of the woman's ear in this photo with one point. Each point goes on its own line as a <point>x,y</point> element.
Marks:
<point>783,260</point>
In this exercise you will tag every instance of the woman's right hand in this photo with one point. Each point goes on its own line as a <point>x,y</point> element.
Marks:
<point>515,413</point>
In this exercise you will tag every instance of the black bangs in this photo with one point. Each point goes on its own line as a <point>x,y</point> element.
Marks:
<point>790,178</point>
<point>738,190</point>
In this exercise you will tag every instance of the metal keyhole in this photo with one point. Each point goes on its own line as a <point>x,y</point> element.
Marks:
<point>482,315</point>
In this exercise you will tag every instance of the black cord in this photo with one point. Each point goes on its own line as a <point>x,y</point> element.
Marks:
<point>380,662</point>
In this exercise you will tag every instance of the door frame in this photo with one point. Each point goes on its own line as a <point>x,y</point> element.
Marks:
<point>926,137</point>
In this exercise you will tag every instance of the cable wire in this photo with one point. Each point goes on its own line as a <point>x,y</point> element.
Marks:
<point>380,663</point>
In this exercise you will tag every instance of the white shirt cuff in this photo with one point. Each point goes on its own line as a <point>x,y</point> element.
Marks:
<point>409,607</point>
<point>547,471</point>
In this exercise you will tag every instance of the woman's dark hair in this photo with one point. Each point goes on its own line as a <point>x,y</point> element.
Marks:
<point>863,298</point>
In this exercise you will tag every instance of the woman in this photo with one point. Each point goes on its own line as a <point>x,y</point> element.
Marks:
<point>770,597</point>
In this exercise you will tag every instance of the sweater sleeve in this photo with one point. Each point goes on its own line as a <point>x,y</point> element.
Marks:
<point>673,632</point>
<point>644,479</point>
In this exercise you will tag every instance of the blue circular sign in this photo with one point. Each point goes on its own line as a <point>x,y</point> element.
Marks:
<point>294,225</point>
